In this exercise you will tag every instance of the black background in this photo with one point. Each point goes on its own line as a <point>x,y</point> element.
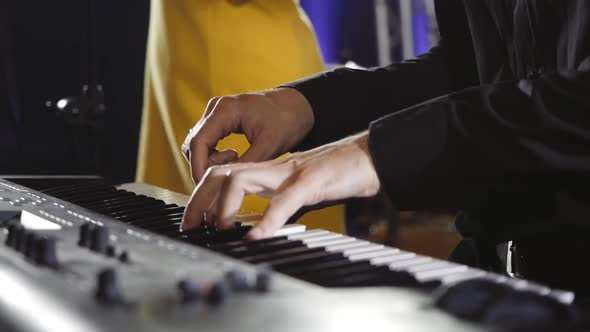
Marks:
<point>45,57</point>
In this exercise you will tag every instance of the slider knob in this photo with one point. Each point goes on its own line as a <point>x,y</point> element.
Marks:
<point>107,287</point>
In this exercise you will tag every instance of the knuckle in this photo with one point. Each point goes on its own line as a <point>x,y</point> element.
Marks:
<point>235,178</point>
<point>216,170</point>
<point>226,102</point>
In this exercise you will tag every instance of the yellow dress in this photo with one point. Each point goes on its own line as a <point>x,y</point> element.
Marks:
<point>198,49</point>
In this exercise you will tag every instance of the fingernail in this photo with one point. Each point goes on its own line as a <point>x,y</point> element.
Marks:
<point>185,225</point>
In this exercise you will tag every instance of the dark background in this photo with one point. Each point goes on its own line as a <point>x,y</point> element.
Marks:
<point>44,57</point>
<point>46,52</point>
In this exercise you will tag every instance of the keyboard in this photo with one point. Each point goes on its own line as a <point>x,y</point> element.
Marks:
<point>97,257</point>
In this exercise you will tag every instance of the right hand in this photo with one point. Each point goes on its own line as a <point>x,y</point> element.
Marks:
<point>273,121</point>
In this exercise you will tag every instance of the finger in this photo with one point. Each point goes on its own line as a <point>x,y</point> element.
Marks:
<point>221,122</point>
<point>223,157</point>
<point>257,151</point>
<point>242,182</point>
<point>211,105</point>
<point>281,207</point>
<point>202,198</point>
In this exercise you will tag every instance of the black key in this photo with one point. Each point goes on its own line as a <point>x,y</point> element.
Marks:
<point>72,188</point>
<point>85,194</point>
<point>156,219</point>
<point>339,273</point>
<point>377,278</point>
<point>111,201</point>
<point>311,258</point>
<point>315,268</point>
<point>269,247</point>
<point>233,244</point>
<point>146,212</point>
<point>281,254</point>
<point>127,203</point>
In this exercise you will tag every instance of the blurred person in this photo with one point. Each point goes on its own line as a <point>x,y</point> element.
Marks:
<point>205,48</point>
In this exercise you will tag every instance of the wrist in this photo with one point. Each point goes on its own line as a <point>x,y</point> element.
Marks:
<point>366,163</point>
<point>296,110</point>
<point>293,100</point>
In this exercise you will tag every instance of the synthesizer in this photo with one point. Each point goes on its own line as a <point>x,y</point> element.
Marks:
<point>95,257</point>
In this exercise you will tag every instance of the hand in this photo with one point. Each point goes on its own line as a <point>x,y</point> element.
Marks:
<point>273,121</point>
<point>332,172</point>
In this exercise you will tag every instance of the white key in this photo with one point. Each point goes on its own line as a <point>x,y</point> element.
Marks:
<point>355,251</point>
<point>290,229</point>
<point>342,240</point>
<point>401,255</point>
<point>439,273</point>
<point>308,234</point>
<point>373,254</point>
<point>468,274</point>
<point>428,266</point>
<point>341,247</point>
<point>409,262</point>
<point>321,238</point>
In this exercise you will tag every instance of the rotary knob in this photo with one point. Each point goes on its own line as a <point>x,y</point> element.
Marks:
<point>218,293</point>
<point>263,280</point>
<point>11,237</point>
<point>107,287</point>
<point>189,291</point>
<point>45,252</point>
<point>85,234</point>
<point>99,240</point>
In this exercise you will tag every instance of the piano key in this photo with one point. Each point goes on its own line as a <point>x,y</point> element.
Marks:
<point>339,241</point>
<point>319,256</point>
<point>373,254</point>
<point>403,264</point>
<point>256,259</point>
<point>356,244</point>
<point>307,258</point>
<point>313,268</point>
<point>440,273</point>
<point>320,238</point>
<point>468,274</point>
<point>230,245</point>
<point>436,264</point>
<point>360,250</point>
<point>308,234</point>
<point>338,273</point>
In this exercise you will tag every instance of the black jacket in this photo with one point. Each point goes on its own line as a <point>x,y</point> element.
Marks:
<point>494,120</point>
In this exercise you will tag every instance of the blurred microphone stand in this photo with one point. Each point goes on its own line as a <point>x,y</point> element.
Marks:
<point>85,113</point>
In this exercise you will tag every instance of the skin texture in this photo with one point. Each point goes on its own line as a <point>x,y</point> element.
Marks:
<point>331,172</point>
<point>273,121</point>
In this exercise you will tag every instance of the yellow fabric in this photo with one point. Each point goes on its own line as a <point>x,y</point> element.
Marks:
<point>198,49</point>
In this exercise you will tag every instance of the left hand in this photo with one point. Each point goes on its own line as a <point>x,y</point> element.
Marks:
<point>331,172</point>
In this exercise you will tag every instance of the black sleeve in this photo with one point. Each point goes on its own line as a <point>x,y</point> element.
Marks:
<point>345,101</point>
<point>453,150</point>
